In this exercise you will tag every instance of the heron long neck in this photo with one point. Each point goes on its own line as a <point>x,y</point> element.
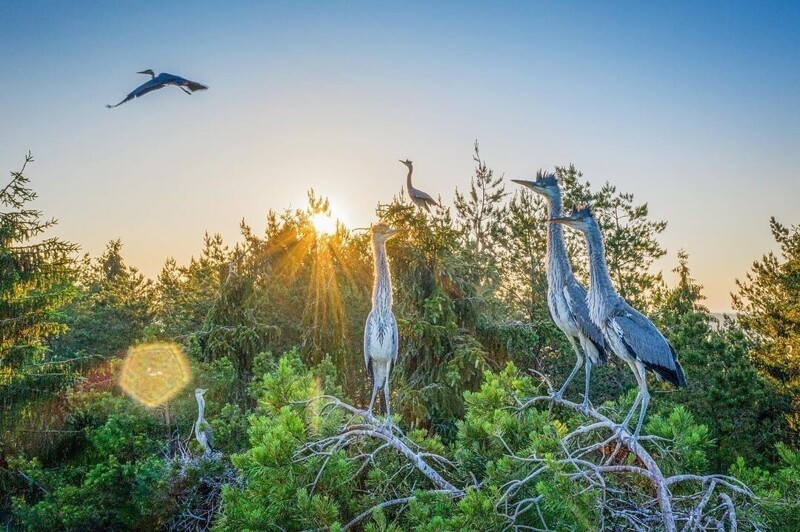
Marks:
<point>408,178</point>
<point>601,292</point>
<point>382,291</point>
<point>558,265</point>
<point>201,407</point>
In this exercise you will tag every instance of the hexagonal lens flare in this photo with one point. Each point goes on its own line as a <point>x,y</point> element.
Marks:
<point>154,373</point>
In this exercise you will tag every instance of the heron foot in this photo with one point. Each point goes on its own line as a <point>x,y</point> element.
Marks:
<point>586,405</point>
<point>622,427</point>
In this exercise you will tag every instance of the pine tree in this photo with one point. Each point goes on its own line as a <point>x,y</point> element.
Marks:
<point>769,301</point>
<point>35,285</point>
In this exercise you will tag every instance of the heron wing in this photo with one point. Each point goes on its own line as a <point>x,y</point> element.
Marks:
<point>647,344</point>
<point>148,86</point>
<point>424,196</point>
<point>194,86</point>
<point>395,344</point>
<point>367,334</point>
<point>209,434</point>
<point>172,79</point>
<point>575,295</point>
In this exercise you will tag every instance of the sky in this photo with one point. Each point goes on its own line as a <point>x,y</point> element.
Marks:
<point>692,107</point>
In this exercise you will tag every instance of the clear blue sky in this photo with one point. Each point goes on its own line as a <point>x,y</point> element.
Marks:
<point>693,107</point>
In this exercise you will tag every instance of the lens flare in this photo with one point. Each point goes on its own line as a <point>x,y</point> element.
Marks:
<point>154,373</point>
<point>323,223</point>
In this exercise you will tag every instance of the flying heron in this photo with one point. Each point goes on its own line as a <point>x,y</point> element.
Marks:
<point>566,298</point>
<point>380,331</point>
<point>202,429</point>
<point>628,333</point>
<point>159,82</point>
<point>418,197</point>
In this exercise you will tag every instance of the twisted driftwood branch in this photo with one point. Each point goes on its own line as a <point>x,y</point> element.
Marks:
<point>650,470</point>
<point>390,435</point>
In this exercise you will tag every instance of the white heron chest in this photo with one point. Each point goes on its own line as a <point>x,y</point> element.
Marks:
<point>557,303</point>
<point>381,343</point>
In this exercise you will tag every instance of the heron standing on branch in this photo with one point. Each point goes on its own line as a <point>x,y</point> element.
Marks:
<point>202,429</point>
<point>380,332</point>
<point>566,298</point>
<point>628,333</point>
<point>418,197</point>
<point>159,82</point>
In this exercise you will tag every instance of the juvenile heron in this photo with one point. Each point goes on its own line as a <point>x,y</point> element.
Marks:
<point>202,430</point>
<point>628,333</point>
<point>418,197</point>
<point>566,298</point>
<point>159,82</point>
<point>380,332</point>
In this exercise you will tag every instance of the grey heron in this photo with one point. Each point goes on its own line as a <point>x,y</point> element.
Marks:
<point>566,298</point>
<point>159,82</point>
<point>380,331</point>
<point>418,197</point>
<point>628,333</point>
<point>202,429</point>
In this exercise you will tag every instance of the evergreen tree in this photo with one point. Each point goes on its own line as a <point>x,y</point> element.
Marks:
<point>746,415</point>
<point>769,302</point>
<point>114,306</point>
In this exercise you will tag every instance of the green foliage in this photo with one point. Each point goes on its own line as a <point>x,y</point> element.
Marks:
<point>770,313</point>
<point>469,287</point>
<point>778,490</point>
<point>116,481</point>
<point>745,413</point>
<point>36,283</point>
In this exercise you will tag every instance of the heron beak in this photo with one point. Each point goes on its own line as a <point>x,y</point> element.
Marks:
<point>394,232</point>
<point>565,221</point>
<point>360,229</point>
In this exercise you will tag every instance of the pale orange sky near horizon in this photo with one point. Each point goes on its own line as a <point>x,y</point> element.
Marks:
<point>693,109</point>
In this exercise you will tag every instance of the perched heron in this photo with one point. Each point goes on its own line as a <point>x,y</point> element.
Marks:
<point>628,333</point>
<point>566,298</point>
<point>159,82</point>
<point>202,429</point>
<point>380,331</point>
<point>418,197</point>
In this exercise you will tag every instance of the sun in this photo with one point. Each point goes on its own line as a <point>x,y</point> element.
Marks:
<point>324,223</point>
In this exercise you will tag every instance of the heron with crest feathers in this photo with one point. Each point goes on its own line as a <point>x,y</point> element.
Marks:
<point>628,333</point>
<point>566,298</point>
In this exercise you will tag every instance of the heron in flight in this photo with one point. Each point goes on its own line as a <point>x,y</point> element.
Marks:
<point>159,82</point>
<point>202,429</point>
<point>418,197</point>
<point>628,333</point>
<point>566,298</point>
<point>380,331</point>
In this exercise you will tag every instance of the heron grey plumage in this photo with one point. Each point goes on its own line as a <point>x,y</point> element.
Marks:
<point>380,331</point>
<point>566,298</point>
<point>159,82</point>
<point>202,429</point>
<point>628,333</point>
<point>418,197</point>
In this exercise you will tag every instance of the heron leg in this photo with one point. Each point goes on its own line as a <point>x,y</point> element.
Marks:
<point>386,400</point>
<point>645,399</point>
<point>585,404</point>
<point>374,393</point>
<point>560,393</point>
<point>184,90</point>
<point>635,369</point>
